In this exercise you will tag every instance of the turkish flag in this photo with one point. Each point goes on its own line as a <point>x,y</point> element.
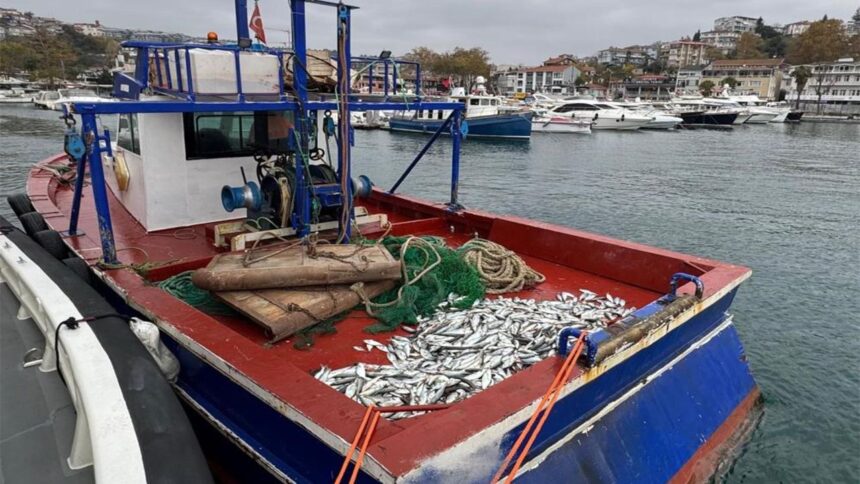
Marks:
<point>256,24</point>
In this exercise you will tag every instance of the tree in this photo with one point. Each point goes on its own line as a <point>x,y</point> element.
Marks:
<point>713,53</point>
<point>822,85</point>
<point>464,65</point>
<point>697,36</point>
<point>706,87</point>
<point>801,75</point>
<point>823,41</point>
<point>729,81</point>
<point>580,81</point>
<point>749,46</point>
<point>424,56</point>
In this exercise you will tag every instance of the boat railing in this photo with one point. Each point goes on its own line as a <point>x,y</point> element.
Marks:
<point>392,70</point>
<point>104,433</point>
<point>174,75</point>
<point>187,99</point>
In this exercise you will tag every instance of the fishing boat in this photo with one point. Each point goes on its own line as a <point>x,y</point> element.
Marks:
<point>560,124</point>
<point>662,391</point>
<point>484,115</point>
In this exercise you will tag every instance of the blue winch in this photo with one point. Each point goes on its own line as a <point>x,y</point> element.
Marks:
<point>245,196</point>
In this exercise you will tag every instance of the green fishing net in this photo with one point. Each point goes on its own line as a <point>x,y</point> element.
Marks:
<point>453,276</point>
<point>181,287</point>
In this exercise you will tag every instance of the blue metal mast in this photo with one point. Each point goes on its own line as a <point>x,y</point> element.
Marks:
<point>242,20</point>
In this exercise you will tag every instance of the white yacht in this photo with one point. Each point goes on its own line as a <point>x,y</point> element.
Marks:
<point>560,124</point>
<point>759,113</point>
<point>661,119</point>
<point>602,114</point>
<point>54,100</point>
<point>781,107</point>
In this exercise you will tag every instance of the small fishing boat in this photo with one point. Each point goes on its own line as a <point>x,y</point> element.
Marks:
<point>560,124</point>
<point>485,117</point>
<point>589,345</point>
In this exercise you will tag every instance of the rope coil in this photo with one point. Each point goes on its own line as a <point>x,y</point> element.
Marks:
<point>501,269</point>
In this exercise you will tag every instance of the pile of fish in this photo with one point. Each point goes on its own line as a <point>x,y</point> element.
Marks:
<point>454,354</point>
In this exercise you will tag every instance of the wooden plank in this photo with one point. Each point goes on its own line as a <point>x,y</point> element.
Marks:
<point>283,312</point>
<point>279,267</point>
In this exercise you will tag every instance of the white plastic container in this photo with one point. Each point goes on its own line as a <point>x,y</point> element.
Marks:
<point>214,72</point>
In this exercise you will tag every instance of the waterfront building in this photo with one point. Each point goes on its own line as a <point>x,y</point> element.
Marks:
<point>735,23</point>
<point>762,77</point>
<point>834,88</point>
<point>598,91</point>
<point>724,41</point>
<point>503,78</point>
<point>651,87</point>
<point>687,80</point>
<point>635,55</point>
<point>558,79</point>
<point>796,28</point>
<point>683,53</point>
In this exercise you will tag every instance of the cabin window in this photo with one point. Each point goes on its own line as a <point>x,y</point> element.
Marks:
<point>485,102</point>
<point>474,102</point>
<point>430,114</point>
<point>420,113</point>
<point>226,135</point>
<point>439,115</point>
<point>127,136</point>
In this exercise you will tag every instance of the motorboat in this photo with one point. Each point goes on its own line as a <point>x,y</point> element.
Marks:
<point>54,100</point>
<point>719,110</point>
<point>603,115</point>
<point>759,112</point>
<point>786,113</point>
<point>661,119</point>
<point>14,96</point>
<point>560,124</point>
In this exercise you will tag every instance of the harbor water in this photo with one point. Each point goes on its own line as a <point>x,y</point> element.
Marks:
<point>781,199</point>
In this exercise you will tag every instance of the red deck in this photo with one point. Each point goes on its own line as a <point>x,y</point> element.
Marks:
<point>570,260</point>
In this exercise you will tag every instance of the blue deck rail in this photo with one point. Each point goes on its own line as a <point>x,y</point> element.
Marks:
<point>182,98</point>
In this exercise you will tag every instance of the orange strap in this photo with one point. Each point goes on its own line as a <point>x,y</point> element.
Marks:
<point>368,427</point>
<point>371,410</point>
<point>544,407</point>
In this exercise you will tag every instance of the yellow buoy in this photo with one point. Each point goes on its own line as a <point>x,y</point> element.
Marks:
<point>120,170</point>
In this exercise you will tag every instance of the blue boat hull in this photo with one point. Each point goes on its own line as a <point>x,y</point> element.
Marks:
<point>666,403</point>
<point>499,126</point>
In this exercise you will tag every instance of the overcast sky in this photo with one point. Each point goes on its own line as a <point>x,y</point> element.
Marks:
<point>521,31</point>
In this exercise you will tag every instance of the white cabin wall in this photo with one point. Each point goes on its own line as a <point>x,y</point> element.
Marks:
<point>183,192</point>
<point>134,197</point>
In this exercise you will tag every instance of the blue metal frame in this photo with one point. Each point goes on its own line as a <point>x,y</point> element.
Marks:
<point>373,61</point>
<point>186,99</point>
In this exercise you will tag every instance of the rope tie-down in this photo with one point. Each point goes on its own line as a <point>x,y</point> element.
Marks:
<point>502,270</point>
